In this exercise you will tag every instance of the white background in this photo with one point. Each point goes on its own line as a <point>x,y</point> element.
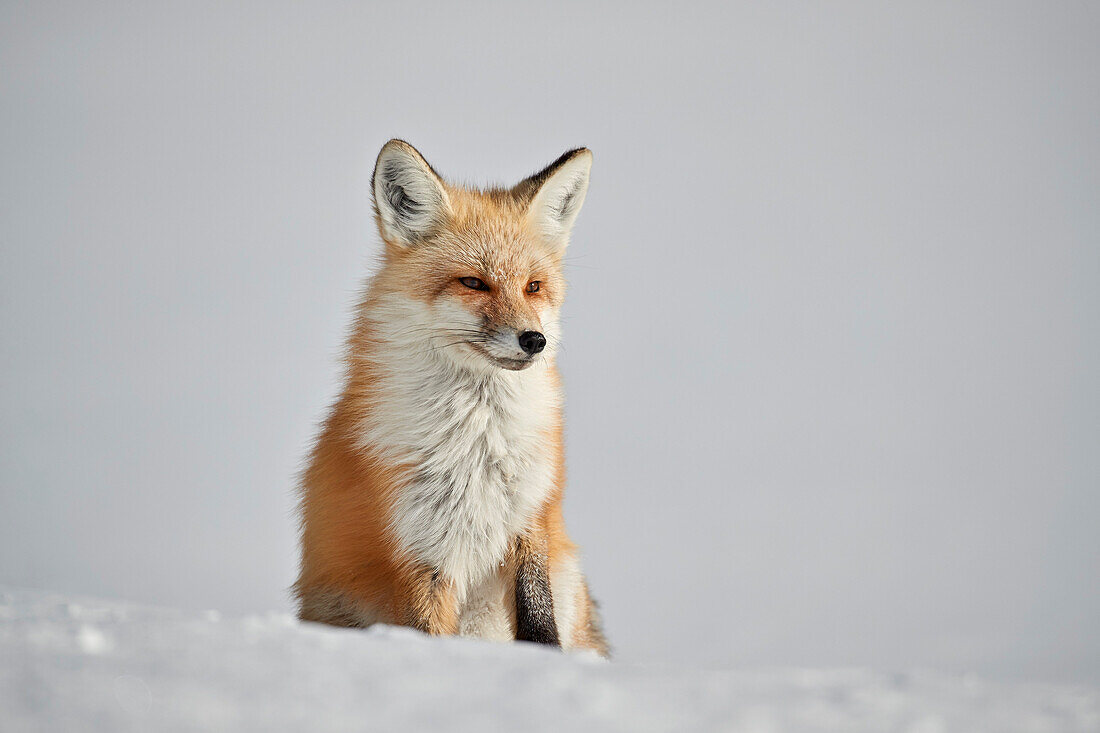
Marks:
<point>833,338</point>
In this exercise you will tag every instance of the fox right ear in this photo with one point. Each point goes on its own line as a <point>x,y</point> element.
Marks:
<point>556,194</point>
<point>409,198</point>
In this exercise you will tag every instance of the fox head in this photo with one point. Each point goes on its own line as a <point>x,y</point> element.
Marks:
<point>476,274</point>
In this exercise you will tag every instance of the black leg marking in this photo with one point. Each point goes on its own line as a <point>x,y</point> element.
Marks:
<point>534,601</point>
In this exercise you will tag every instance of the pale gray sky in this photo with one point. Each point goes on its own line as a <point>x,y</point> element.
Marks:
<point>856,250</point>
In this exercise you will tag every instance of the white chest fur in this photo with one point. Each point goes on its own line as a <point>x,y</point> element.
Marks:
<point>477,445</point>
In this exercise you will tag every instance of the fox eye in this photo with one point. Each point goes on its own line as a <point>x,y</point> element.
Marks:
<point>533,286</point>
<point>473,283</point>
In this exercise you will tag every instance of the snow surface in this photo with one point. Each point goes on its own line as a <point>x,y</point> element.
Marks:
<point>92,665</point>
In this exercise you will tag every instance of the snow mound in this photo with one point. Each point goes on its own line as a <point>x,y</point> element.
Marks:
<point>82,665</point>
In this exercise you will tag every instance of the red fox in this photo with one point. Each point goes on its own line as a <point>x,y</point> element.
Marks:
<point>433,495</point>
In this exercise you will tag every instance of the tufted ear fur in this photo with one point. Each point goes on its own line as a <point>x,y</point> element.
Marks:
<point>409,198</point>
<point>557,193</point>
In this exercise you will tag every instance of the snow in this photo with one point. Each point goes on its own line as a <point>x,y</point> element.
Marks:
<point>95,665</point>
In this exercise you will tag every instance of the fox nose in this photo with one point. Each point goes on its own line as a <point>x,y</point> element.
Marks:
<point>532,342</point>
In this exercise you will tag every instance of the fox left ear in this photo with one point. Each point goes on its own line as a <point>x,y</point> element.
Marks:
<point>557,193</point>
<point>410,200</point>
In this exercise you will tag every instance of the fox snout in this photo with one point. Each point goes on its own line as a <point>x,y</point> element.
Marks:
<point>511,348</point>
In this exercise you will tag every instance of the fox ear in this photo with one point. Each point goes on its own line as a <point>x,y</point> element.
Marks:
<point>556,194</point>
<point>409,198</point>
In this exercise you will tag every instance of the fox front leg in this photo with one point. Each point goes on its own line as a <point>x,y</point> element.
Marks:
<point>534,600</point>
<point>432,607</point>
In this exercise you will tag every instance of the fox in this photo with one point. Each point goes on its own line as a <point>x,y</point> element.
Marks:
<point>432,497</point>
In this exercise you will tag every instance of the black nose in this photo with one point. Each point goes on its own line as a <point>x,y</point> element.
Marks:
<point>532,342</point>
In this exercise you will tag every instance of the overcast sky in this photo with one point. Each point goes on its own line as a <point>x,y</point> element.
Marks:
<point>832,354</point>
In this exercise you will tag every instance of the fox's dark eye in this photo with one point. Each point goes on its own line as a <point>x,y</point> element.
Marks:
<point>473,283</point>
<point>533,286</point>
